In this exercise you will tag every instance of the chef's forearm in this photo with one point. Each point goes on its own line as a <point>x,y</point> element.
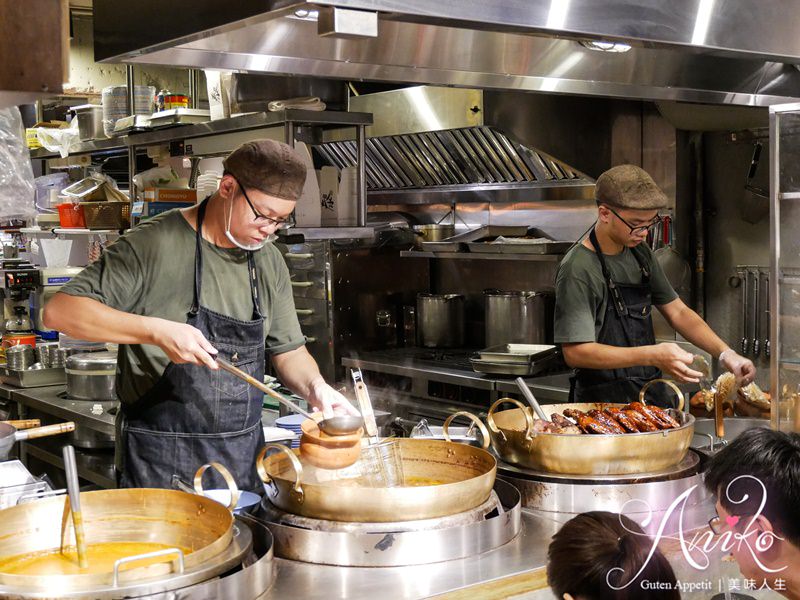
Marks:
<point>297,370</point>
<point>87,319</point>
<point>592,355</point>
<point>695,330</point>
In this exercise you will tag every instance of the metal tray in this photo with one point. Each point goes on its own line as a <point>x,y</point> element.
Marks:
<point>454,244</point>
<point>179,116</point>
<point>132,124</point>
<point>543,248</point>
<point>515,353</point>
<point>33,377</point>
<point>544,361</point>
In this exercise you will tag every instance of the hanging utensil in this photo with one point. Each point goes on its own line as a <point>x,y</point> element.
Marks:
<point>767,348</point>
<point>745,344</point>
<point>74,491</point>
<point>756,313</point>
<point>526,391</point>
<point>338,425</point>
<point>20,424</point>
<point>676,269</point>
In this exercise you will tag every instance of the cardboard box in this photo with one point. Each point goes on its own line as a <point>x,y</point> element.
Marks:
<point>170,195</point>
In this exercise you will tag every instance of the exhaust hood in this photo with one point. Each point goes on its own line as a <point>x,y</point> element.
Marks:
<point>692,50</point>
<point>428,143</point>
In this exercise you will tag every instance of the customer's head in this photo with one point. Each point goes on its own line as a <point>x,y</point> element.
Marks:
<point>596,552</point>
<point>757,463</point>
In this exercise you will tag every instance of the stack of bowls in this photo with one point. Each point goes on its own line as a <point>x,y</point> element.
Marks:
<point>45,353</point>
<point>292,423</point>
<point>115,104</point>
<point>19,358</point>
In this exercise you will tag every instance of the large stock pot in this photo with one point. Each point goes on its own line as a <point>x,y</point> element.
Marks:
<point>450,478</point>
<point>515,442</point>
<point>198,536</point>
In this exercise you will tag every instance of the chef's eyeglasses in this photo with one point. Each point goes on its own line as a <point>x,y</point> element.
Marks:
<point>281,224</point>
<point>635,230</point>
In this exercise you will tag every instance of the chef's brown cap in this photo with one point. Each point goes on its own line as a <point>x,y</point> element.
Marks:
<point>269,166</point>
<point>628,186</point>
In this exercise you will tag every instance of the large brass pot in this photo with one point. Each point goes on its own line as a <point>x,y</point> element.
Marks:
<point>200,526</point>
<point>464,477</point>
<point>515,442</point>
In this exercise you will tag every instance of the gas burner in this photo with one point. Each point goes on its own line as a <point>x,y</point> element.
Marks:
<point>486,527</point>
<point>635,495</point>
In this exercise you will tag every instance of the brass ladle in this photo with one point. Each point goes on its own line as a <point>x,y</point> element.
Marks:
<point>338,425</point>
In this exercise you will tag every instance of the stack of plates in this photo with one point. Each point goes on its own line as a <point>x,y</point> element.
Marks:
<point>292,423</point>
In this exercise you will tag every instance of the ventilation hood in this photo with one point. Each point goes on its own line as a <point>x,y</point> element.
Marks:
<point>707,51</point>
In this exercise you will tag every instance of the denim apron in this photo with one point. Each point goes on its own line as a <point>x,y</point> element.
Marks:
<point>627,323</point>
<point>194,415</point>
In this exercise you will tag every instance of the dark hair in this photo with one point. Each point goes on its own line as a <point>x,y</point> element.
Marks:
<point>772,457</point>
<point>589,546</point>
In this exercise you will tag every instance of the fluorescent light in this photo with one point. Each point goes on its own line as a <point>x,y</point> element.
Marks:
<point>702,21</point>
<point>558,14</point>
<point>617,47</point>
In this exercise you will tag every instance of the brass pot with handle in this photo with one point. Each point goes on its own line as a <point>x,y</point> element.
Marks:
<point>515,441</point>
<point>440,478</point>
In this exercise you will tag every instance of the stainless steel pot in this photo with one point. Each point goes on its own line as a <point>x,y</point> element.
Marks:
<point>514,317</point>
<point>440,320</point>
<point>91,376</point>
<point>434,232</point>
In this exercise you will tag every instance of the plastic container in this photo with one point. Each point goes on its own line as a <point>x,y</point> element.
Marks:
<point>71,215</point>
<point>107,215</point>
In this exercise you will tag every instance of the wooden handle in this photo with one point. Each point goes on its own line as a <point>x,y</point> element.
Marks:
<point>719,420</point>
<point>23,423</point>
<point>38,432</point>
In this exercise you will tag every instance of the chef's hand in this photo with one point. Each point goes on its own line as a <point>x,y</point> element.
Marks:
<point>323,397</point>
<point>674,360</point>
<point>743,368</point>
<point>183,343</point>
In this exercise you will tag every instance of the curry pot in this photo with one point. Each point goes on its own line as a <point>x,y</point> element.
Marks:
<point>515,442</point>
<point>466,474</point>
<point>201,526</point>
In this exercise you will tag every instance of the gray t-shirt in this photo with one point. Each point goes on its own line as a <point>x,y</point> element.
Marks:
<point>582,294</point>
<point>150,271</point>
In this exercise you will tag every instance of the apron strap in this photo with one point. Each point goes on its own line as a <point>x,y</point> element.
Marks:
<point>616,296</point>
<point>198,268</point>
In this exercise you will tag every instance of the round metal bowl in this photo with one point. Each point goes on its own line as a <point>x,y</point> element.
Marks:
<point>464,477</point>
<point>199,527</point>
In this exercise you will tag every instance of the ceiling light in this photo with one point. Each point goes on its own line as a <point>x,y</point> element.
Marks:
<point>600,46</point>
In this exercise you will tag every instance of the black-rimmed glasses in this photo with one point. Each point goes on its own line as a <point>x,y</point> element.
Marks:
<point>281,224</point>
<point>635,230</point>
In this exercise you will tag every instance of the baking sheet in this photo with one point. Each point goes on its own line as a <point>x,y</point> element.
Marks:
<point>540,248</point>
<point>543,361</point>
<point>458,243</point>
<point>33,377</point>
<point>515,353</point>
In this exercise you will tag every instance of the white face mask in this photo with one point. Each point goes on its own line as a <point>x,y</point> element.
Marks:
<point>248,247</point>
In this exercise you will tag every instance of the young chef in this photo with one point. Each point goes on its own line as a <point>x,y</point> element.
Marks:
<point>182,288</point>
<point>605,290</point>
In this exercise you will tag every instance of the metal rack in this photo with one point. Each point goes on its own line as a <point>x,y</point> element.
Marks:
<point>187,140</point>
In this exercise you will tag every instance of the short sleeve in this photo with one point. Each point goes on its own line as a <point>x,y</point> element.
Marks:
<point>284,332</point>
<point>114,280</point>
<point>576,308</point>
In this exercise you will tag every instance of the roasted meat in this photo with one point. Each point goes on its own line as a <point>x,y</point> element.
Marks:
<point>624,420</point>
<point>642,423</point>
<point>652,415</point>
<point>586,423</point>
<point>664,417</point>
<point>606,420</point>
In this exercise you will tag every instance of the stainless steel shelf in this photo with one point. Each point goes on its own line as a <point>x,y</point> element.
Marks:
<point>55,460</point>
<point>482,256</point>
<point>92,147</point>
<point>325,119</point>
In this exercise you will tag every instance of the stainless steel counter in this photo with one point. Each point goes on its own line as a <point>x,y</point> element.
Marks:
<point>47,404</point>
<point>527,553</point>
<point>548,389</point>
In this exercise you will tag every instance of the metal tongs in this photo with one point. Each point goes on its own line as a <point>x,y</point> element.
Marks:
<point>709,385</point>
